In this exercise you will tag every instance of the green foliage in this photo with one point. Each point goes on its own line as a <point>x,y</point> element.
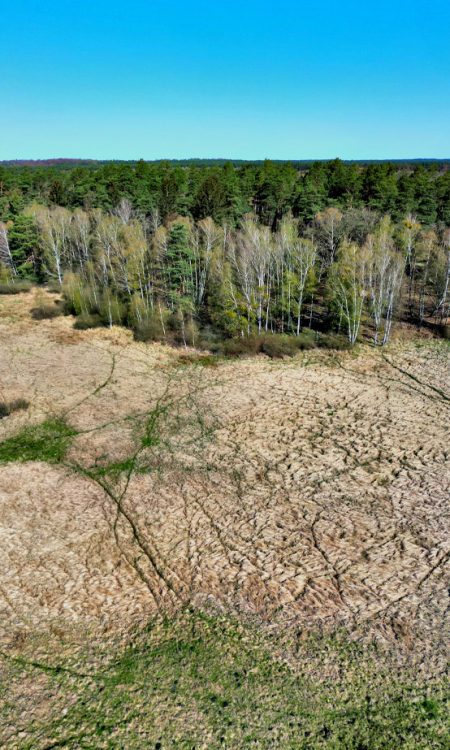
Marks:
<point>80,298</point>
<point>112,310</point>
<point>112,471</point>
<point>225,190</point>
<point>133,255</point>
<point>193,677</point>
<point>273,345</point>
<point>24,244</point>
<point>277,346</point>
<point>210,199</point>
<point>179,265</point>
<point>48,441</point>
<point>202,360</point>
<point>242,346</point>
<point>333,341</point>
<point>184,328</point>
<point>149,329</point>
<point>88,320</point>
<point>138,311</point>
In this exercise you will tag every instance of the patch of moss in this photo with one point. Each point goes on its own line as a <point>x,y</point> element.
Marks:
<point>48,441</point>
<point>114,470</point>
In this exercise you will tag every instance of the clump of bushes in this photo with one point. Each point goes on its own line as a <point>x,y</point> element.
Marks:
<point>278,345</point>
<point>274,345</point>
<point>45,311</point>
<point>44,308</point>
<point>15,287</point>
<point>88,320</point>
<point>281,345</point>
<point>8,407</point>
<point>203,360</point>
<point>177,328</point>
<point>149,328</point>
<point>242,346</point>
<point>334,341</point>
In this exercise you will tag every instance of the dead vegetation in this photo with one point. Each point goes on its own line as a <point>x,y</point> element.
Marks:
<point>304,495</point>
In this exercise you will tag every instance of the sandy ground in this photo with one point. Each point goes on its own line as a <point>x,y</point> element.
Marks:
<point>305,493</point>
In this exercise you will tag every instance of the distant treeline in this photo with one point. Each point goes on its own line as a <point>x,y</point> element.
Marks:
<point>200,254</point>
<point>217,286</point>
<point>227,191</point>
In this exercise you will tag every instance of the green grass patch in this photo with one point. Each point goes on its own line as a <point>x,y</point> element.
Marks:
<point>197,681</point>
<point>48,441</point>
<point>201,360</point>
<point>113,470</point>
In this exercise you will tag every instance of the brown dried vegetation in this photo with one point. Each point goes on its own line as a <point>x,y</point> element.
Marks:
<point>303,494</point>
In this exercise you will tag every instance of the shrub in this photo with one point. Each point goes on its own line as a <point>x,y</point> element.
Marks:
<point>204,360</point>
<point>111,309</point>
<point>15,287</point>
<point>8,407</point>
<point>240,347</point>
<point>46,311</point>
<point>307,339</point>
<point>86,320</point>
<point>183,327</point>
<point>78,296</point>
<point>279,345</point>
<point>149,329</point>
<point>54,286</point>
<point>186,334</point>
<point>210,340</point>
<point>275,345</point>
<point>333,341</point>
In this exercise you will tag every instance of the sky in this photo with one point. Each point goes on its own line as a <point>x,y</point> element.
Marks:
<point>234,79</point>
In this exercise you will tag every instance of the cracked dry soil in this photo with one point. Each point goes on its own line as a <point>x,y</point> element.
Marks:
<point>305,493</point>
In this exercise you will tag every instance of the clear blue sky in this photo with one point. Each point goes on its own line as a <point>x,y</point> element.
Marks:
<point>284,79</point>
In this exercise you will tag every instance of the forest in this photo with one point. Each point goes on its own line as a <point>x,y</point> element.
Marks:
<point>198,254</point>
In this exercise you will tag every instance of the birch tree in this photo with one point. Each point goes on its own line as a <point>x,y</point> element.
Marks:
<point>385,268</point>
<point>81,238</point>
<point>5,253</point>
<point>252,261</point>
<point>427,247</point>
<point>327,226</point>
<point>205,239</point>
<point>409,233</point>
<point>54,226</point>
<point>303,256</point>
<point>348,286</point>
<point>442,278</point>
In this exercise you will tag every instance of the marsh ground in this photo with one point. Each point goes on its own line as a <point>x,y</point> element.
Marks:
<point>301,504</point>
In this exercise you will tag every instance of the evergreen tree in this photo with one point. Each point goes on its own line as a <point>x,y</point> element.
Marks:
<point>24,245</point>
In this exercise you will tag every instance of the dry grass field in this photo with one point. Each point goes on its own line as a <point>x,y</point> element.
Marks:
<point>301,498</point>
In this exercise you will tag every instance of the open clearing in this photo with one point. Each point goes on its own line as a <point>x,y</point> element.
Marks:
<point>302,498</point>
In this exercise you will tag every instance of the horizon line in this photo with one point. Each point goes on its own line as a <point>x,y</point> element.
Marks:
<point>222,158</point>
